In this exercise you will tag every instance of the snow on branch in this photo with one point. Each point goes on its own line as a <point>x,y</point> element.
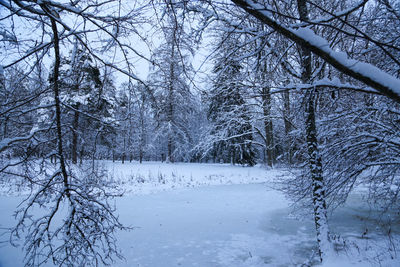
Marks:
<point>6,142</point>
<point>370,75</point>
<point>325,83</point>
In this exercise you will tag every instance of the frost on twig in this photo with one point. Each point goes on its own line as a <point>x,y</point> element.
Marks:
<point>75,226</point>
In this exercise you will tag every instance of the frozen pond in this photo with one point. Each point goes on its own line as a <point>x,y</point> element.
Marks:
<point>223,225</point>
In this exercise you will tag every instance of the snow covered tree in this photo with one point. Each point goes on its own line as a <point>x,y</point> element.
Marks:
<point>231,132</point>
<point>316,44</point>
<point>19,96</point>
<point>318,188</point>
<point>261,77</point>
<point>169,80</point>
<point>84,231</point>
<point>84,96</point>
<point>331,69</point>
<point>135,122</point>
<point>340,21</point>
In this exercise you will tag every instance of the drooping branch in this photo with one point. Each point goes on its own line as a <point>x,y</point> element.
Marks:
<point>361,71</point>
<point>58,104</point>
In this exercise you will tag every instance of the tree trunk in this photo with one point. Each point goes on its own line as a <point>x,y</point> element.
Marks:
<point>56,90</point>
<point>288,126</point>
<point>142,136</point>
<point>169,155</point>
<point>233,155</point>
<point>214,153</point>
<point>170,120</point>
<point>75,124</point>
<point>171,89</point>
<point>123,153</point>
<point>269,135</point>
<point>318,185</point>
<point>170,112</point>
<point>5,130</point>
<point>81,155</point>
<point>269,152</point>
<point>315,165</point>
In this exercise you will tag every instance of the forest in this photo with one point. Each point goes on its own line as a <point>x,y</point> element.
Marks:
<point>310,88</point>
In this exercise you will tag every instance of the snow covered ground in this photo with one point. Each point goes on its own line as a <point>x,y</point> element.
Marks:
<point>152,177</point>
<point>219,215</point>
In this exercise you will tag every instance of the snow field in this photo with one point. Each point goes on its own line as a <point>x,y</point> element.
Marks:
<point>220,215</point>
<point>152,177</point>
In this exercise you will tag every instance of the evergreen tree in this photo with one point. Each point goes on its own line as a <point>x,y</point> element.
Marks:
<point>231,127</point>
<point>88,98</point>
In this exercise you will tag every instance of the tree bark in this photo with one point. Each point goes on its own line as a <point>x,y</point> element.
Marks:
<point>315,164</point>
<point>75,124</point>
<point>124,151</point>
<point>56,90</point>
<point>288,126</point>
<point>269,134</point>
<point>142,134</point>
<point>170,108</point>
<point>5,128</point>
<point>81,154</point>
<point>318,185</point>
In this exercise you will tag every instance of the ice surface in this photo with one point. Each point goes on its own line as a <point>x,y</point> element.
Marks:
<point>241,223</point>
